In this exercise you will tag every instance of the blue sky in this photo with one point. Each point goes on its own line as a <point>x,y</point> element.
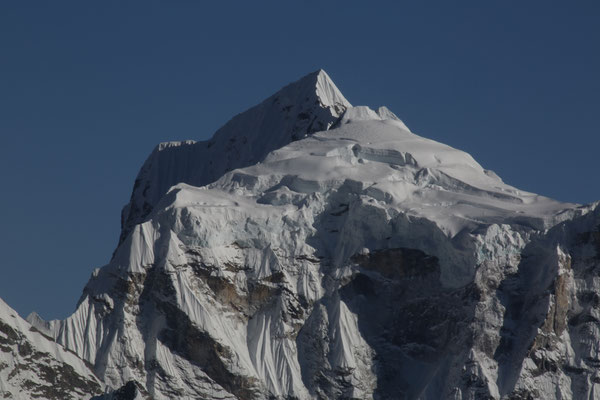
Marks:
<point>88,89</point>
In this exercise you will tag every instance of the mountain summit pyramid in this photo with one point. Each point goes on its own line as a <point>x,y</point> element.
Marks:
<point>316,250</point>
<point>310,104</point>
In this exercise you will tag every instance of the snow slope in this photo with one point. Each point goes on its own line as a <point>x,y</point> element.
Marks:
<point>312,249</point>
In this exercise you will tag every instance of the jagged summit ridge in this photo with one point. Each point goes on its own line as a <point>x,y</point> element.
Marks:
<point>311,104</point>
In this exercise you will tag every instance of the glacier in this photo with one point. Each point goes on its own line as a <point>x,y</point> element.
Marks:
<point>312,249</point>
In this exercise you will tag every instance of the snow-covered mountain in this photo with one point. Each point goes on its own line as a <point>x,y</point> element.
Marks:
<point>33,365</point>
<point>312,249</point>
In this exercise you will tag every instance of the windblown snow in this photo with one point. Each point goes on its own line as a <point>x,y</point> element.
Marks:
<point>312,249</point>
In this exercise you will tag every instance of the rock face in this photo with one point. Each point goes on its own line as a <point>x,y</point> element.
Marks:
<point>315,250</point>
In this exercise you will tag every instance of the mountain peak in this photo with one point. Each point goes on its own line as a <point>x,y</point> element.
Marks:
<point>326,90</point>
<point>311,104</point>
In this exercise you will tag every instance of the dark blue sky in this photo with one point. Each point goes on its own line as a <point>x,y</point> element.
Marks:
<point>87,89</point>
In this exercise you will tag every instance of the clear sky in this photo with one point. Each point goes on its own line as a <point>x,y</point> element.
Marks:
<point>87,89</point>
